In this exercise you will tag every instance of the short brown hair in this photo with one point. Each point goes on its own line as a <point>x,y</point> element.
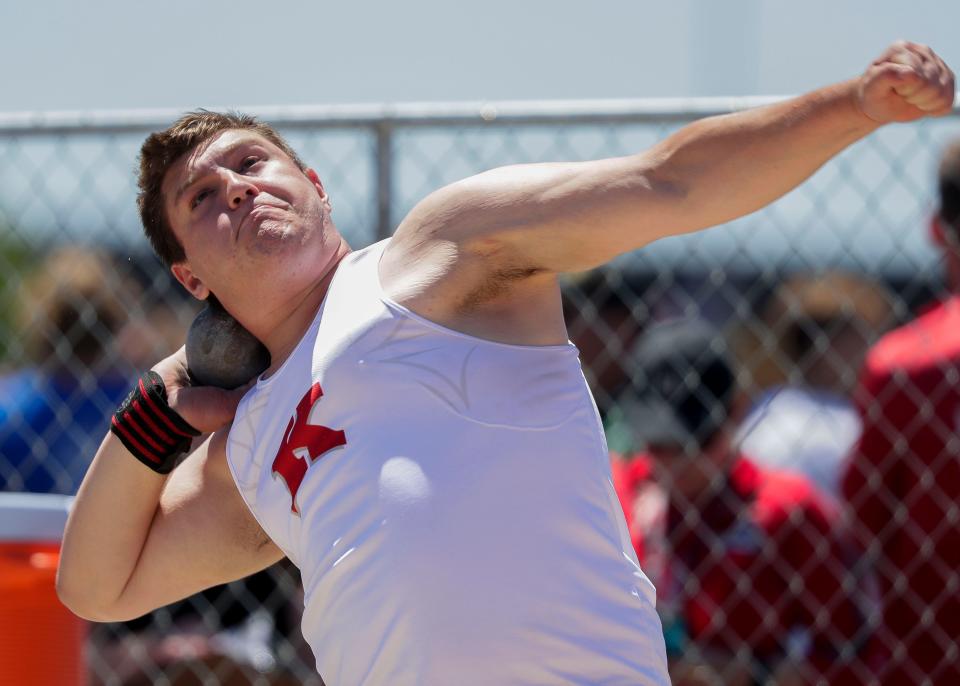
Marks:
<point>162,149</point>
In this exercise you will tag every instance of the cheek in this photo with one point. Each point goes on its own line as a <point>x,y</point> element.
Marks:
<point>224,224</point>
<point>305,194</point>
<point>310,206</point>
<point>209,242</point>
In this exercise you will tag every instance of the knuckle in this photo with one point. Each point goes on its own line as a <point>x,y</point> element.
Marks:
<point>894,69</point>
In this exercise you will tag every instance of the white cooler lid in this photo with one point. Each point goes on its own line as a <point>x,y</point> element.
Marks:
<point>33,516</point>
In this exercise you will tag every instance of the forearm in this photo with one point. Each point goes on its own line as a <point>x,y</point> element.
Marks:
<point>531,220</point>
<point>141,536</point>
<point>106,530</point>
<point>727,166</point>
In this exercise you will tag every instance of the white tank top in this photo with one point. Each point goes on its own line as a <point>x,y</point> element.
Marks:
<point>448,501</point>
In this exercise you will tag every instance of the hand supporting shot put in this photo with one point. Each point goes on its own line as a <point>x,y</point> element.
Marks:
<point>194,391</point>
<point>206,407</point>
<point>422,396</point>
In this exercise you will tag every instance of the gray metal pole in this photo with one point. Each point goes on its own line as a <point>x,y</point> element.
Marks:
<point>384,164</point>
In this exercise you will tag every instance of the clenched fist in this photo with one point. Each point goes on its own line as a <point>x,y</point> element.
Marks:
<point>907,82</point>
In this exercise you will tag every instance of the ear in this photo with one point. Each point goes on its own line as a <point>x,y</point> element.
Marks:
<point>184,274</point>
<point>318,184</point>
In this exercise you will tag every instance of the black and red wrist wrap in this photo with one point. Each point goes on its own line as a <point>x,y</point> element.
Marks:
<point>149,428</point>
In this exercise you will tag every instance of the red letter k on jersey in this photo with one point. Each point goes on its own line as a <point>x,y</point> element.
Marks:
<point>303,444</point>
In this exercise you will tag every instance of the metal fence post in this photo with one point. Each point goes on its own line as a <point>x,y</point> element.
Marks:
<point>384,182</point>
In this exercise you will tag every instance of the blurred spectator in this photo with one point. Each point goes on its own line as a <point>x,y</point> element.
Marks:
<point>823,326</point>
<point>83,323</point>
<point>55,411</point>
<point>605,310</point>
<point>903,479</point>
<point>750,564</point>
<point>158,324</point>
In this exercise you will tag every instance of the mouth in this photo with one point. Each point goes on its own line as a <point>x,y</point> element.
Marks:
<point>256,215</point>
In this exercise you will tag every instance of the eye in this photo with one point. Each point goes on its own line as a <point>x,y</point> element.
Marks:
<point>199,198</point>
<point>248,162</point>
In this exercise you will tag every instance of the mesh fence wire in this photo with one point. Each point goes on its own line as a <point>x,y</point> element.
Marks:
<point>797,292</point>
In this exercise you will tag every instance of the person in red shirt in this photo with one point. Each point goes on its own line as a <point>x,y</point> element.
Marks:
<point>751,565</point>
<point>902,481</point>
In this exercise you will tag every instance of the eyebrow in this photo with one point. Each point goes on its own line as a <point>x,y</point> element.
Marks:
<point>194,177</point>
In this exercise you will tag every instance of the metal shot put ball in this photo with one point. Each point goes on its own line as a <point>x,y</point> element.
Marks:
<point>222,353</point>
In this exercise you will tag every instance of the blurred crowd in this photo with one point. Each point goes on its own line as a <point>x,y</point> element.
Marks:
<point>88,322</point>
<point>790,476</point>
<point>791,480</point>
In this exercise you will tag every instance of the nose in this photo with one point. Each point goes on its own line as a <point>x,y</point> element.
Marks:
<point>238,189</point>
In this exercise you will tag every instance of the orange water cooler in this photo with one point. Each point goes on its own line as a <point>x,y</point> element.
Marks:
<point>41,641</point>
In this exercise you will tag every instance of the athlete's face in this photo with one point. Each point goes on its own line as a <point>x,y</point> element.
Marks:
<point>247,216</point>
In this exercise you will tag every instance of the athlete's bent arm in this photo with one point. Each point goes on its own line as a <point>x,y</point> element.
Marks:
<point>137,540</point>
<point>570,217</point>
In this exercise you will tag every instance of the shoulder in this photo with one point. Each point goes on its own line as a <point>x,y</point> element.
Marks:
<point>471,286</point>
<point>206,473</point>
<point>449,252</point>
<point>205,467</point>
<point>217,466</point>
<point>217,449</point>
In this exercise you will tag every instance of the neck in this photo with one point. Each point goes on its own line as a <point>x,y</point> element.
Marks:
<point>282,333</point>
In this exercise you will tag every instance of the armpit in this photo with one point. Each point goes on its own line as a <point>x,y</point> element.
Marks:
<point>496,285</point>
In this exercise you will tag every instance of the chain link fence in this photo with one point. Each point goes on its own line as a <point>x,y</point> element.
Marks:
<point>798,292</point>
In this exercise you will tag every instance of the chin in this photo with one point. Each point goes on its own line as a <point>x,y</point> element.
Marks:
<point>274,238</point>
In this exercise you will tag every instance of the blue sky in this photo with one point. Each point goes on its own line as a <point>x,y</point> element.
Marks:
<point>106,54</point>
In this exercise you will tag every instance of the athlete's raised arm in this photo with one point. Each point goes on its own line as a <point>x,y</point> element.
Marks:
<point>137,539</point>
<point>568,217</point>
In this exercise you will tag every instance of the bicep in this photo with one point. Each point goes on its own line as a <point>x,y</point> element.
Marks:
<point>559,217</point>
<point>202,535</point>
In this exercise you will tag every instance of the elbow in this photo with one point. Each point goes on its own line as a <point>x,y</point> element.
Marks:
<point>80,599</point>
<point>78,602</point>
<point>669,184</point>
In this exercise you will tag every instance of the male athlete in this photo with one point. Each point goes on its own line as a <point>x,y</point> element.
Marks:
<point>424,446</point>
